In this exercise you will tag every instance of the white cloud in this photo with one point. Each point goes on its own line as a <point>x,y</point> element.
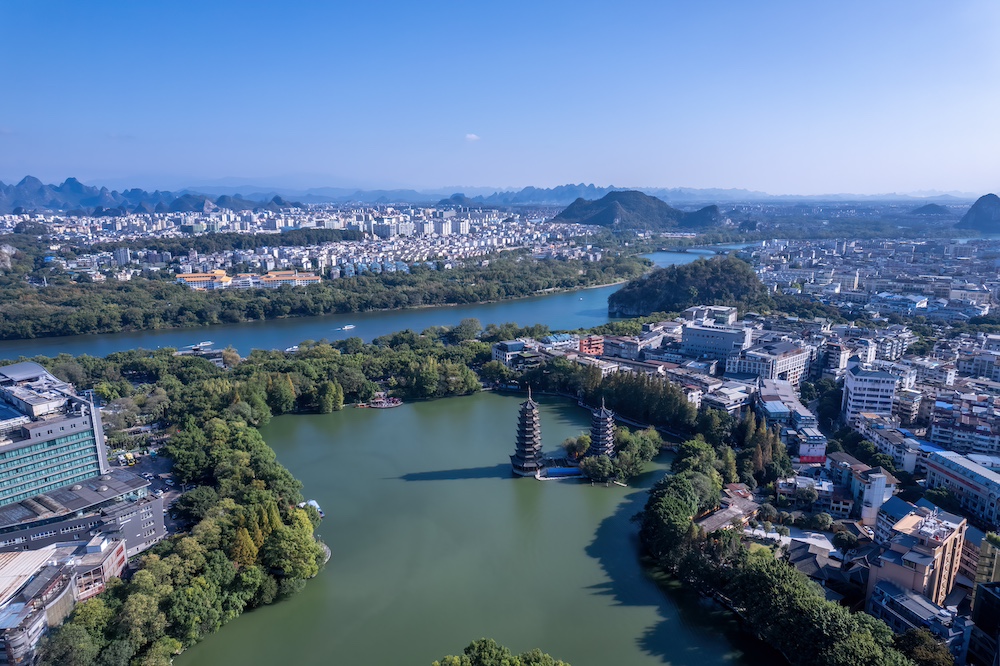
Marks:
<point>471,138</point>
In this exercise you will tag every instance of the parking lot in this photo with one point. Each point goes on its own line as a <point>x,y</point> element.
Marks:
<point>156,470</point>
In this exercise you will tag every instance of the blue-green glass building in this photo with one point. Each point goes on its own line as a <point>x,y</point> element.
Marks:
<point>50,437</point>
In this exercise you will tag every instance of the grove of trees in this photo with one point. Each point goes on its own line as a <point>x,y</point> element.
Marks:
<point>71,308</point>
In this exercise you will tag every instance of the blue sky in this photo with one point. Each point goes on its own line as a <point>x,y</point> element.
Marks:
<point>786,97</point>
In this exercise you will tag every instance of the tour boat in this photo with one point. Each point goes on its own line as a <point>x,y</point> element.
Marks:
<point>314,504</point>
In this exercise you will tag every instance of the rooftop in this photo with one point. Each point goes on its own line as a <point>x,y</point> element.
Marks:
<point>70,499</point>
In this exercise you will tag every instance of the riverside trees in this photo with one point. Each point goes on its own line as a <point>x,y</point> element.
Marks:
<point>248,543</point>
<point>779,604</point>
<point>69,308</point>
<point>487,652</point>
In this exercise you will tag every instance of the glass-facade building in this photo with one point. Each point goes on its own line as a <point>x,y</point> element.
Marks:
<point>53,438</point>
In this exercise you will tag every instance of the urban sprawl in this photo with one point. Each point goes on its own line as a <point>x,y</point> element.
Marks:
<point>909,386</point>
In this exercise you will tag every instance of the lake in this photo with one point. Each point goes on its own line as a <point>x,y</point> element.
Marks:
<point>435,544</point>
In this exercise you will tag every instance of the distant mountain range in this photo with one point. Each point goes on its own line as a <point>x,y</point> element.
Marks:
<point>635,210</point>
<point>30,194</point>
<point>73,197</point>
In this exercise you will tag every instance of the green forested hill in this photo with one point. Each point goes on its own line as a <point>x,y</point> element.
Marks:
<point>722,281</point>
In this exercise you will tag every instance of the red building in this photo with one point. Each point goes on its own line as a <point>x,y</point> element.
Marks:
<point>592,345</point>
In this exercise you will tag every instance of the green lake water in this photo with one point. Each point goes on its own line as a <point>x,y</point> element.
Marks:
<point>435,544</point>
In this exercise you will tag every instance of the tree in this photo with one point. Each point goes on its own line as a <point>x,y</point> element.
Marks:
<point>727,466</point>
<point>923,649</point>
<point>467,329</point>
<point>597,468</point>
<point>195,504</point>
<point>575,447</point>
<point>943,498</point>
<point>244,550</point>
<point>806,495</point>
<point>767,512</point>
<point>230,357</point>
<point>281,394</point>
<point>487,652</point>
<point>331,397</point>
<point>845,541</point>
<point>495,371</point>
<point>291,549</point>
<point>808,392</point>
<point>70,645</point>
<point>822,521</point>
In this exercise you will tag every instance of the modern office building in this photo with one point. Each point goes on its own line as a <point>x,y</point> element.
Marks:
<point>51,438</point>
<point>504,352</point>
<point>784,361</point>
<point>712,341</point>
<point>55,482</point>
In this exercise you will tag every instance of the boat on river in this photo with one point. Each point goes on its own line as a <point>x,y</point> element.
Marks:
<point>345,328</point>
<point>314,504</point>
<point>381,401</point>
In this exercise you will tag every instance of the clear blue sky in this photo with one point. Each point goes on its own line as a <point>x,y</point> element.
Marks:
<point>786,97</point>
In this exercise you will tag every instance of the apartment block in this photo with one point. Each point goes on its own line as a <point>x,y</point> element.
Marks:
<point>867,390</point>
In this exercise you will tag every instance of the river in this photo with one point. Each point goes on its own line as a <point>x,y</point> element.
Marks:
<point>582,308</point>
<point>434,545</point>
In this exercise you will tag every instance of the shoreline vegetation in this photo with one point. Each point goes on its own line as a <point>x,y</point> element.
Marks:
<point>67,309</point>
<point>247,544</point>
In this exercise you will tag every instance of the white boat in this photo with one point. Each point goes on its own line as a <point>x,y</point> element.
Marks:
<point>314,504</point>
<point>292,349</point>
<point>348,327</point>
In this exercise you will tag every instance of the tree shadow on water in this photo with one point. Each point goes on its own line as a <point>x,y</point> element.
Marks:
<point>689,629</point>
<point>499,471</point>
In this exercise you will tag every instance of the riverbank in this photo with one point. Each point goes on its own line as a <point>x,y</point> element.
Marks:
<point>66,309</point>
<point>563,310</point>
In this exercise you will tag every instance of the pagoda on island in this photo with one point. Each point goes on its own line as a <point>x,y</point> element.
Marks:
<point>602,432</point>
<point>527,459</point>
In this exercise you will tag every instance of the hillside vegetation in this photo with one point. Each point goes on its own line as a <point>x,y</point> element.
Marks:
<point>724,281</point>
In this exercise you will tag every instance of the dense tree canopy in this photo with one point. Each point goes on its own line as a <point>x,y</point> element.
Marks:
<point>487,652</point>
<point>720,281</point>
<point>68,308</point>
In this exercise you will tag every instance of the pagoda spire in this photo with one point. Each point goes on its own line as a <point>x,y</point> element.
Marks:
<point>527,459</point>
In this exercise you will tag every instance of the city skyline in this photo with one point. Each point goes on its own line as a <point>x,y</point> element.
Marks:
<point>784,99</point>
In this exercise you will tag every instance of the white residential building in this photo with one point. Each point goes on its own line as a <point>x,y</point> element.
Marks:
<point>867,391</point>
